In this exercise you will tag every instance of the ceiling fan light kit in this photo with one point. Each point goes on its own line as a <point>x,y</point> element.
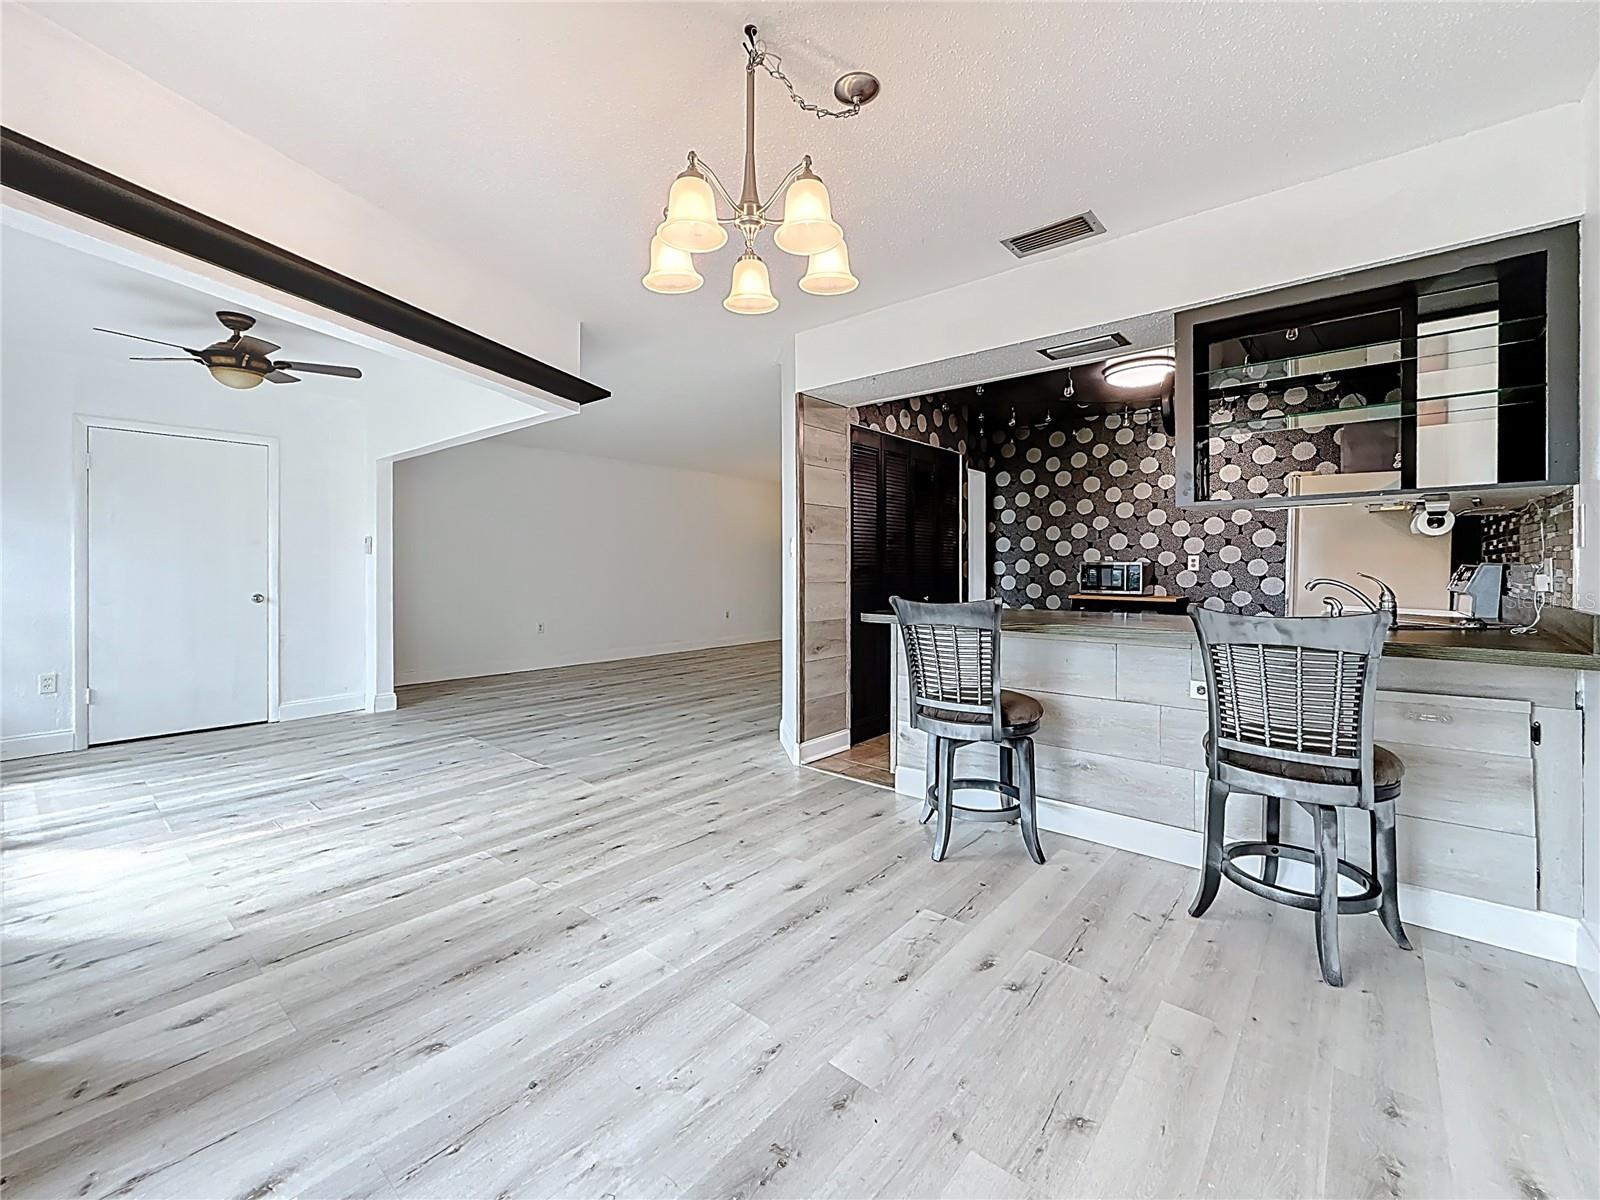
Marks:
<point>236,377</point>
<point>238,361</point>
<point>692,226</point>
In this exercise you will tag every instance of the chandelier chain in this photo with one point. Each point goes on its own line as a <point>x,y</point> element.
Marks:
<point>773,65</point>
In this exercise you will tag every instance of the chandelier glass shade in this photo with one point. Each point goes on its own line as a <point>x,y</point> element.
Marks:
<point>828,273</point>
<point>671,269</point>
<point>808,226</point>
<point>691,223</point>
<point>751,293</point>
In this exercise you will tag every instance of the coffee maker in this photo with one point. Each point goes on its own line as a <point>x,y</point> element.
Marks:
<point>1477,591</point>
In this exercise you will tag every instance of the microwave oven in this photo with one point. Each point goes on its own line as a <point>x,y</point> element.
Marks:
<point>1125,577</point>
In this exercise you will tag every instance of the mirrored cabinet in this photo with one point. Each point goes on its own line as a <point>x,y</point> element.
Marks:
<point>1453,373</point>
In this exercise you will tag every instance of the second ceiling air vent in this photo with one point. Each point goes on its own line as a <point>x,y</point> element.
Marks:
<point>1058,233</point>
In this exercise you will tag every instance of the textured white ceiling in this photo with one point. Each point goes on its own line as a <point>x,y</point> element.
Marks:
<point>542,138</point>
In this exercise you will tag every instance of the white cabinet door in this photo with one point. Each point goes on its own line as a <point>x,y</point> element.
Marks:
<point>178,583</point>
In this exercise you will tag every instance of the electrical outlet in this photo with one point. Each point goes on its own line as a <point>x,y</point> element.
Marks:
<point>1197,689</point>
<point>727,614</point>
<point>48,682</point>
<point>541,626</point>
<point>1542,584</point>
<point>1194,562</point>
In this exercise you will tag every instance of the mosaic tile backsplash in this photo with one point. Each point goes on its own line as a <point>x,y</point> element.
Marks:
<point>1543,529</point>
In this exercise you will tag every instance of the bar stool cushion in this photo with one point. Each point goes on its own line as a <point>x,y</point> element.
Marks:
<point>1387,769</point>
<point>1017,711</point>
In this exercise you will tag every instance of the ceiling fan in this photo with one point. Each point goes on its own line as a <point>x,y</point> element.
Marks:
<point>238,361</point>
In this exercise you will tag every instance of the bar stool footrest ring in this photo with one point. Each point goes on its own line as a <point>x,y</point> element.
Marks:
<point>1364,901</point>
<point>1010,812</point>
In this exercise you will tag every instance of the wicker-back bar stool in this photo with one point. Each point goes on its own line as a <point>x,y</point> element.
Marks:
<point>1292,706</point>
<point>953,667</point>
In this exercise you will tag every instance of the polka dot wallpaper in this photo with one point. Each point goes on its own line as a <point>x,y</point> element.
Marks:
<point>1101,486</point>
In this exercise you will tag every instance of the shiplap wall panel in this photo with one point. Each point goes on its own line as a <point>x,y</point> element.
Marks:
<point>1030,664</point>
<point>824,610</point>
<point>1103,726</point>
<point>1158,674</point>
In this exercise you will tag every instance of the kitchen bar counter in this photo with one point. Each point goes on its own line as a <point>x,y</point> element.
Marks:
<point>1486,722</point>
<point>1562,645</point>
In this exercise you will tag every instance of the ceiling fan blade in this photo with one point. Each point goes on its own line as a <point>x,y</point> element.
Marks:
<point>251,345</point>
<point>319,369</point>
<point>279,377</point>
<point>174,358</point>
<point>141,338</point>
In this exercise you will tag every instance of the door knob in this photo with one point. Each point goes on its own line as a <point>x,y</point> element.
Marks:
<point>257,598</point>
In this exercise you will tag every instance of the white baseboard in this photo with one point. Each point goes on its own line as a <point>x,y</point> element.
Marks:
<point>382,703</point>
<point>1589,962</point>
<point>34,745</point>
<point>828,743</point>
<point>321,706</point>
<point>1540,934</point>
<point>786,740</point>
<point>616,653</point>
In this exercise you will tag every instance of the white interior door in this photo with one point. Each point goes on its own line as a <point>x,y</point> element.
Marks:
<point>178,583</point>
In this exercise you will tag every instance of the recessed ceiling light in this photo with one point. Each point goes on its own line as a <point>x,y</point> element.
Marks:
<point>1094,345</point>
<point>1147,368</point>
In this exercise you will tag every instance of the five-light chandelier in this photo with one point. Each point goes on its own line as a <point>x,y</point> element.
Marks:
<point>691,225</point>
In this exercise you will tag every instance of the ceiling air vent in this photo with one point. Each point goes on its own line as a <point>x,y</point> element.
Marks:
<point>1058,233</point>
<point>1094,345</point>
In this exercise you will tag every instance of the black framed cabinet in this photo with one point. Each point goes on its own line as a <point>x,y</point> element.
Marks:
<point>1451,373</point>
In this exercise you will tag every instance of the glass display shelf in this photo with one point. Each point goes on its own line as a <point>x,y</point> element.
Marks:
<point>1477,404</point>
<point>1487,342</point>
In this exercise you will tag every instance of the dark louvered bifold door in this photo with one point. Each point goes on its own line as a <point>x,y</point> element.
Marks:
<point>905,540</point>
<point>866,518</point>
<point>869,592</point>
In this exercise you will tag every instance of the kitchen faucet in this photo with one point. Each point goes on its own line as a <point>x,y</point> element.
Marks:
<point>1387,602</point>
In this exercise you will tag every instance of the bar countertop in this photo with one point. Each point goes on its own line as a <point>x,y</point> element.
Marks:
<point>1563,647</point>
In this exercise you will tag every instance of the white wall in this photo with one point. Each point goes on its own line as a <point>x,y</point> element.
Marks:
<point>322,515</point>
<point>1510,177</point>
<point>615,559</point>
<point>789,485</point>
<point>1587,586</point>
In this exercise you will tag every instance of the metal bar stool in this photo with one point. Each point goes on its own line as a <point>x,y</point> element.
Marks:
<point>953,661</point>
<point>1292,705</point>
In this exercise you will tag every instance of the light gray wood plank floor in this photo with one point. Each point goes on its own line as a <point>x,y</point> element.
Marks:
<point>586,932</point>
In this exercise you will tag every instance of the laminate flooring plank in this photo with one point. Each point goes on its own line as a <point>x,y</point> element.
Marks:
<point>470,948</point>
